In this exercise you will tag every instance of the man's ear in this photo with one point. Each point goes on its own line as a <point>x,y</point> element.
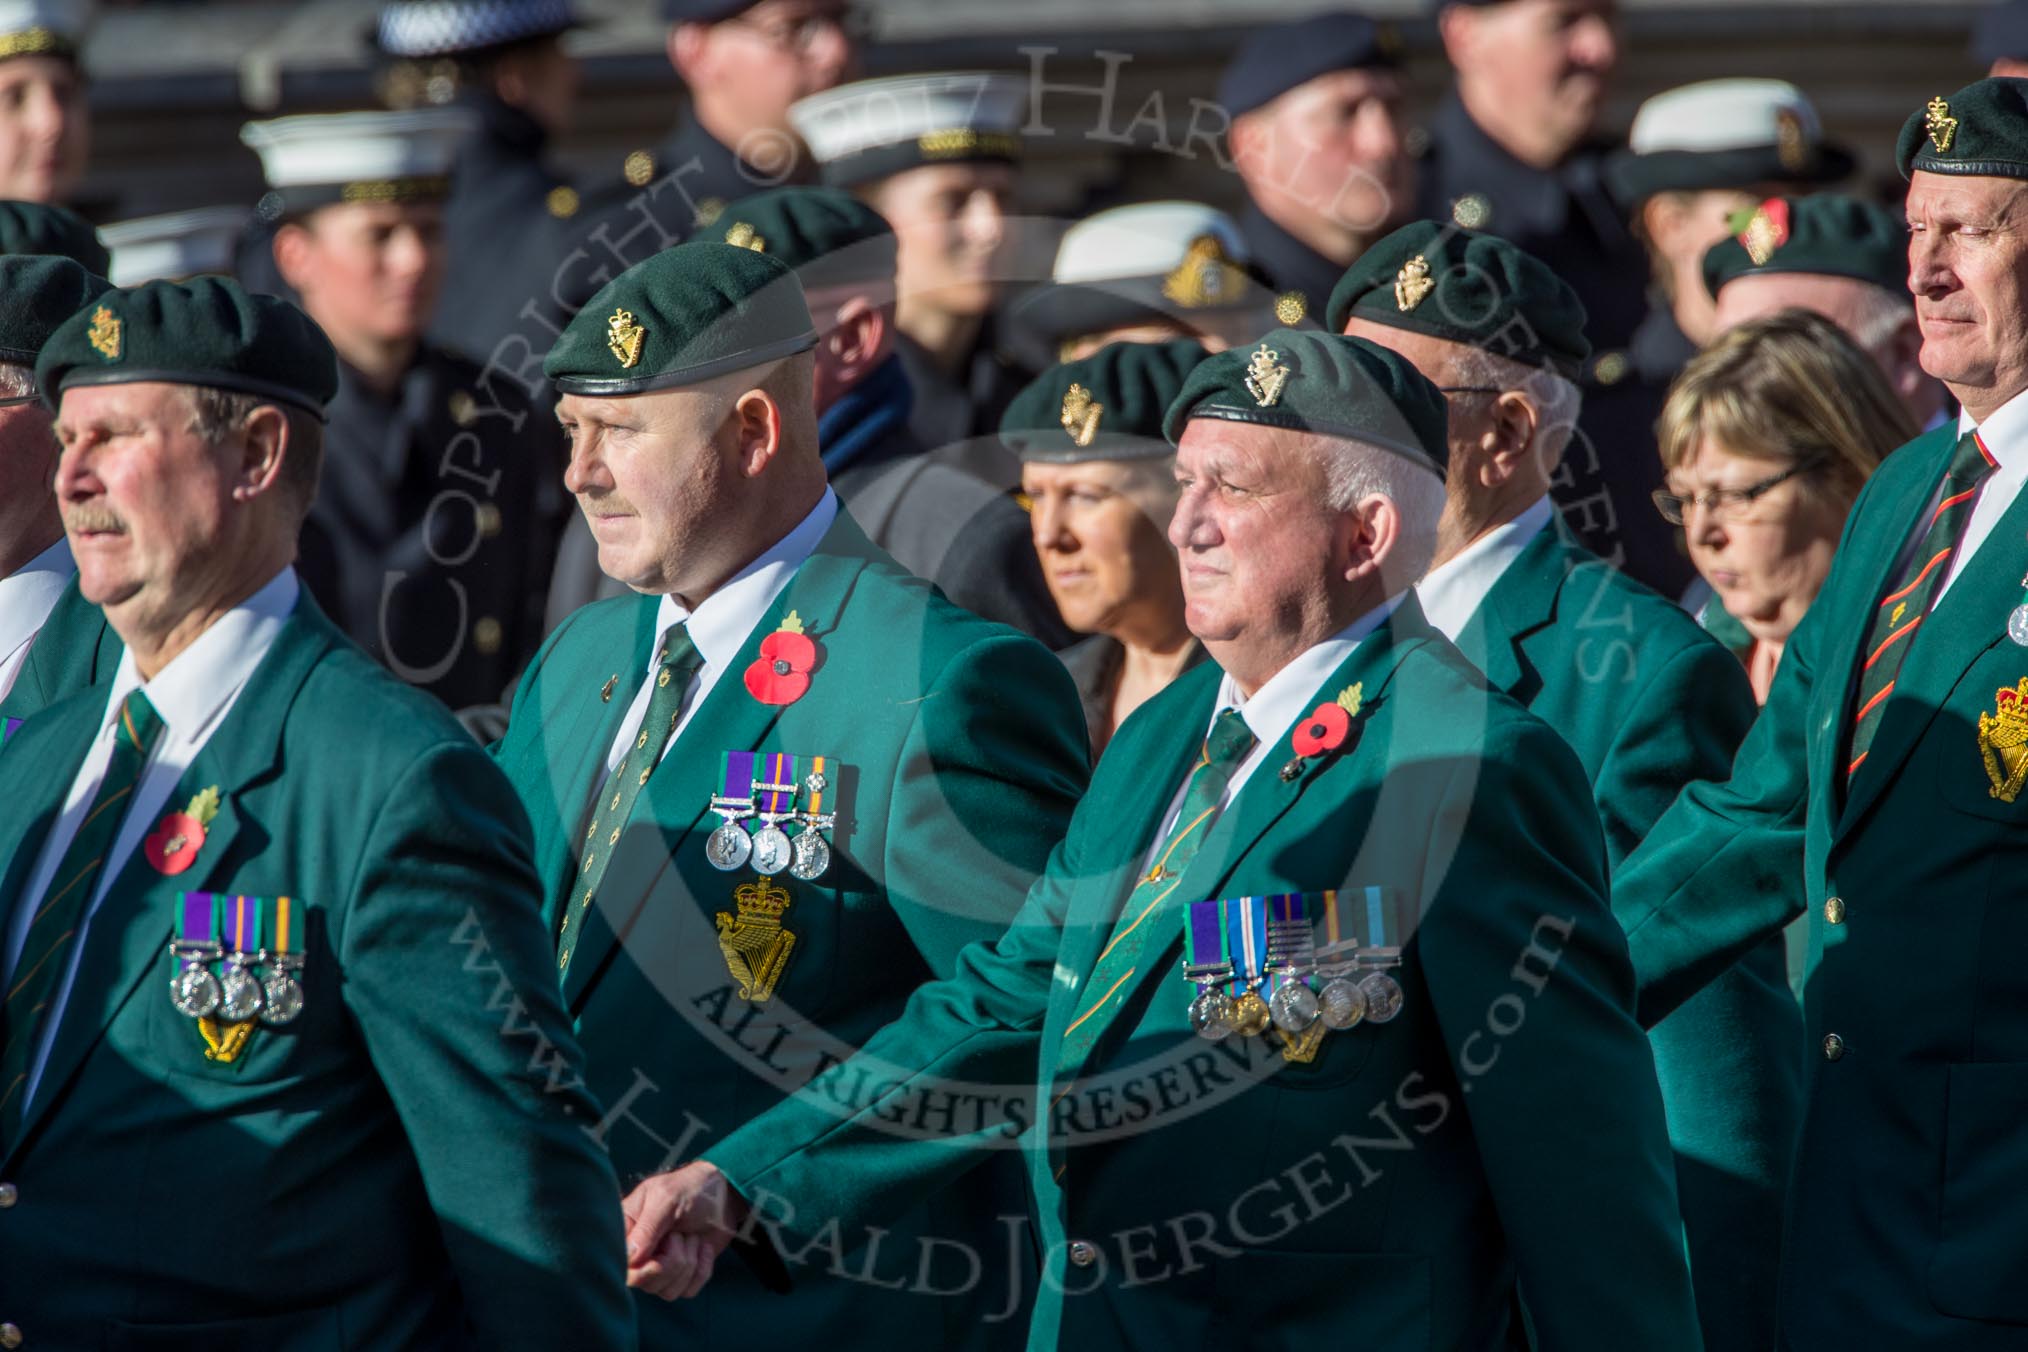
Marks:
<point>757,431</point>
<point>1371,532</point>
<point>1510,436</point>
<point>292,246</point>
<point>859,338</point>
<point>267,448</point>
<point>1901,357</point>
<point>687,45</point>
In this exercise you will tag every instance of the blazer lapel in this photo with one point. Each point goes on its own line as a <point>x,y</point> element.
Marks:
<point>1521,604</point>
<point>36,781</point>
<point>677,798</point>
<point>1970,619</point>
<point>132,924</point>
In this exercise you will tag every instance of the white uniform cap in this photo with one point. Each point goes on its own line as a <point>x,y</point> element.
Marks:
<point>874,128</point>
<point>319,158</point>
<point>175,247</point>
<point>44,27</point>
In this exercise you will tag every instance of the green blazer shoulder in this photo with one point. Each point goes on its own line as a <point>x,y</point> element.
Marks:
<point>75,648</point>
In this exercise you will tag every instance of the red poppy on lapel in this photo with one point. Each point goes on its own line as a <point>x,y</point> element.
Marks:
<point>180,835</point>
<point>781,674</point>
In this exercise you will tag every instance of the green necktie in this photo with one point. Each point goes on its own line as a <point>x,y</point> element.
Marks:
<point>1891,632</point>
<point>1229,744</point>
<point>678,662</point>
<point>45,952</point>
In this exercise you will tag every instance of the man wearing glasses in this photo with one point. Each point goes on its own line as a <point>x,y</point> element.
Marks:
<point>50,637</point>
<point>1647,700</point>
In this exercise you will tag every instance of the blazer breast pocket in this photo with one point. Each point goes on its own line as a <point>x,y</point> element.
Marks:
<point>247,1010</point>
<point>1978,741</point>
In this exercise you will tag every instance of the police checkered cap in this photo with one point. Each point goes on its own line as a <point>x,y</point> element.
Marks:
<point>422,28</point>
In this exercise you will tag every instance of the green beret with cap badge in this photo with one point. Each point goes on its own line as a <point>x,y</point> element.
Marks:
<point>39,228</point>
<point>684,316</point>
<point>208,331</point>
<point>827,235</point>
<point>1827,234</point>
<point>1479,290</point>
<point>1982,129</point>
<point>1108,406</point>
<point>1325,383</point>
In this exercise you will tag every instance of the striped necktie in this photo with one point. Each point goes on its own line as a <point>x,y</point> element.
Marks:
<point>1229,744</point>
<point>678,662</point>
<point>1891,632</point>
<point>45,951</point>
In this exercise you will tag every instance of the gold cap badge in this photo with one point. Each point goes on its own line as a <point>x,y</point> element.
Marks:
<point>1792,147</point>
<point>1412,284</point>
<point>1766,232</point>
<point>1081,414</point>
<point>1941,126</point>
<point>743,236</point>
<point>1290,307</point>
<point>1265,376</point>
<point>625,337</point>
<point>1206,276</point>
<point>104,334</point>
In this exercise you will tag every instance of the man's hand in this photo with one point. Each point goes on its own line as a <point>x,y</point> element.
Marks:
<point>677,1226</point>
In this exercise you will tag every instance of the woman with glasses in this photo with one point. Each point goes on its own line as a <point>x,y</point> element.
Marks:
<point>1766,438</point>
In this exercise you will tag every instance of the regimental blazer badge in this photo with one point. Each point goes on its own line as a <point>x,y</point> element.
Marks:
<point>1265,376</point>
<point>2003,741</point>
<point>743,236</point>
<point>1412,284</point>
<point>625,337</point>
<point>1941,126</point>
<point>1766,231</point>
<point>755,945</point>
<point>1081,414</point>
<point>104,334</point>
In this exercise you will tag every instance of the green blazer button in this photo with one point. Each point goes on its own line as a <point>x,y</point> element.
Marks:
<point>1834,1047</point>
<point>1834,910</point>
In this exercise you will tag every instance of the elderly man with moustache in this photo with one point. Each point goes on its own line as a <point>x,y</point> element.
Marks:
<point>1336,854</point>
<point>1647,699</point>
<point>776,790</point>
<point>273,968</point>
<point>1880,789</point>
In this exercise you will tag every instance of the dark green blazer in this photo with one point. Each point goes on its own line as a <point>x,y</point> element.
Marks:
<point>408,1157</point>
<point>1905,1221</point>
<point>957,754</point>
<point>1650,702</point>
<point>1384,1195</point>
<point>74,648</point>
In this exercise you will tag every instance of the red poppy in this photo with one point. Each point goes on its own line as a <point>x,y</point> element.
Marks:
<point>1324,730</point>
<point>781,675</point>
<point>174,846</point>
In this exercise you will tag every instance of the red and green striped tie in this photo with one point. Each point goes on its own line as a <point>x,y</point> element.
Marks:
<point>1224,750</point>
<point>1900,613</point>
<point>45,952</point>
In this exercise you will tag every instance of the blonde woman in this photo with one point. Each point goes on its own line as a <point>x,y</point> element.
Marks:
<point>1766,438</point>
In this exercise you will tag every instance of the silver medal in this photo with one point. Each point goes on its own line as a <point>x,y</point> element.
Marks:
<point>1213,1014</point>
<point>1341,1004</point>
<point>281,998</point>
<point>812,856</point>
<point>771,849</point>
<point>1383,996</point>
<point>194,991</point>
<point>241,998</point>
<point>1293,1007</point>
<point>728,847</point>
<point>2017,625</point>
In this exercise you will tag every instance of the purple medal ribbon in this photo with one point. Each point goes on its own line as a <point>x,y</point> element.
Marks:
<point>739,775</point>
<point>1202,930</point>
<point>7,726</point>
<point>200,919</point>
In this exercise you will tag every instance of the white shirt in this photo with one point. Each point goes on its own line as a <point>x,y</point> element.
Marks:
<point>1271,711</point>
<point>1451,594</point>
<point>26,598</point>
<point>721,623</point>
<point>2005,437</point>
<point>192,695</point>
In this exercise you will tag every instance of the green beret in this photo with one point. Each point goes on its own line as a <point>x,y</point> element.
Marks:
<point>1828,234</point>
<point>827,235</point>
<point>1981,129</point>
<point>686,315</point>
<point>1325,383</point>
<point>37,228</point>
<point>1109,406</point>
<point>208,331</point>
<point>37,293</point>
<point>1437,279</point>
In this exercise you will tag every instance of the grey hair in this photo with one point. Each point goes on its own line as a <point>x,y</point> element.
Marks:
<point>216,416</point>
<point>1557,400</point>
<point>1356,470</point>
<point>16,380</point>
<point>1880,313</point>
